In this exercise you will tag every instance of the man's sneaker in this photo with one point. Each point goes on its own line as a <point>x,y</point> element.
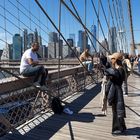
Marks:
<point>68,111</point>
<point>37,84</point>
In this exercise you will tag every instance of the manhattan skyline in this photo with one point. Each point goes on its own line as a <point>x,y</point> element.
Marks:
<point>26,14</point>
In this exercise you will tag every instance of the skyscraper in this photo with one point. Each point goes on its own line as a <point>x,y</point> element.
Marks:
<point>93,31</point>
<point>82,40</point>
<point>72,36</point>
<point>17,46</point>
<point>53,37</point>
<point>25,40</point>
<point>59,46</point>
<point>35,35</point>
<point>53,46</point>
<point>52,50</point>
<point>30,39</point>
<point>112,40</point>
<point>45,51</point>
<point>70,41</point>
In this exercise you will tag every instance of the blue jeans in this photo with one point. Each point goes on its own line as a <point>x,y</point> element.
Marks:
<point>36,71</point>
<point>89,65</point>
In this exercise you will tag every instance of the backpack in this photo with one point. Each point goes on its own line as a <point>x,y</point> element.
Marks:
<point>56,106</point>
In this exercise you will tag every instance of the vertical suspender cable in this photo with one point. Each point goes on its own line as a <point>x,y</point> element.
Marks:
<point>80,20</point>
<point>60,34</point>
<point>98,26</point>
<point>99,22</point>
<point>6,44</point>
<point>59,55</point>
<point>123,26</point>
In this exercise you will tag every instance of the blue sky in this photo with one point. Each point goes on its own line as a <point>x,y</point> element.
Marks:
<point>19,12</point>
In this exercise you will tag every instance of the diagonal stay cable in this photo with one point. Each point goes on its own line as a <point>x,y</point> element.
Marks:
<point>84,26</point>
<point>61,35</point>
<point>118,12</point>
<point>99,22</point>
<point>116,17</point>
<point>123,25</point>
<point>109,6</point>
<point>106,19</point>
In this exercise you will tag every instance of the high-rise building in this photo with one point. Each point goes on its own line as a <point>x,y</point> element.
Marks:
<point>82,40</point>
<point>93,31</point>
<point>70,41</point>
<point>54,46</point>
<point>112,40</point>
<point>59,49</point>
<point>53,37</point>
<point>66,51</point>
<point>17,46</point>
<point>52,50</point>
<point>35,35</point>
<point>45,51</point>
<point>25,40</point>
<point>72,36</point>
<point>30,39</point>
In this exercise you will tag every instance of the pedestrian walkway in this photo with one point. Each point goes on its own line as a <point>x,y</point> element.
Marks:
<point>87,122</point>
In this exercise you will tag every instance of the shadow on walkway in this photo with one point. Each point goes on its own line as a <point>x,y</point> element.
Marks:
<point>46,129</point>
<point>133,131</point>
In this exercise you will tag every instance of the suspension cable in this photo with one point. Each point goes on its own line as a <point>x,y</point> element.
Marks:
<point>123,25</point>
<point>84,28</point>
<point>99,22</point>
<point>83,25</point>
<point>119,26</point>
<point>61,35</point>
<point>112,17</point>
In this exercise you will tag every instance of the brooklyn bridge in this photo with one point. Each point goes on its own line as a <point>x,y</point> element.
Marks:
<point>64,29</point>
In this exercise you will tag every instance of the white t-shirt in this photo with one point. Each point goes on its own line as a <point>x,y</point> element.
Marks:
<point>24,60</point>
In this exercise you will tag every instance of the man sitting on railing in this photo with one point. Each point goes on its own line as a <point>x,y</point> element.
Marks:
<point>87,59</point>
<point>30,66</point>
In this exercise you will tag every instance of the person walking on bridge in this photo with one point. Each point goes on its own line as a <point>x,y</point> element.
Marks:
<point>29,66</point>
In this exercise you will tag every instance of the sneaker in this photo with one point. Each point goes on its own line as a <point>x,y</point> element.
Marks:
<point>117,132</point>
<point>37,84</point>
<point>68,111</point>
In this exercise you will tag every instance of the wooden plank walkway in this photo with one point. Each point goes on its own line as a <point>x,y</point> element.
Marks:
<point>86,123</point>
